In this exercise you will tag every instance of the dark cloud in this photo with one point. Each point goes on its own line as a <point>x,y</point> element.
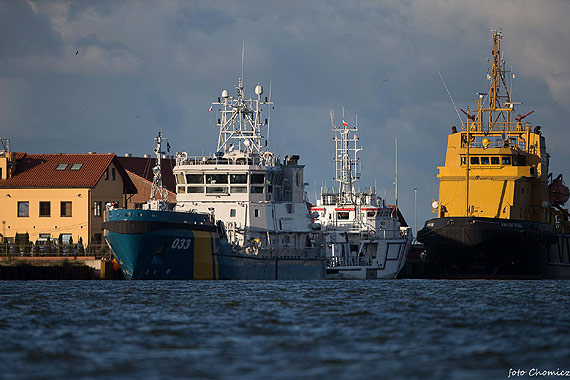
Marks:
<point>145,66</point>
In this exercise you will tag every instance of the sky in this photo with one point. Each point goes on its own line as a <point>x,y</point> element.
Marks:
<point>105,76</point>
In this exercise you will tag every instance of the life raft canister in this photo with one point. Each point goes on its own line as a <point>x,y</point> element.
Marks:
<point>558,192</point>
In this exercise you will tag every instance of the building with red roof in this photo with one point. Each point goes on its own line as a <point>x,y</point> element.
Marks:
<point>53,195</point>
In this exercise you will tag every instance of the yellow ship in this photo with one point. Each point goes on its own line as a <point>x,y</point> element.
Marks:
<point>499,211</point>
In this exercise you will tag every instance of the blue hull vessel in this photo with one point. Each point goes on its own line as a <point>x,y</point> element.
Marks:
<point>164,245</point>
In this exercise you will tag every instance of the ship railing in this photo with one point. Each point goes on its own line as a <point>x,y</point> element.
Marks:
<point>498,126</point>
<point>349,261</point>
<point>209,160</point>
<point>496,141</point>
<point>284,252</point>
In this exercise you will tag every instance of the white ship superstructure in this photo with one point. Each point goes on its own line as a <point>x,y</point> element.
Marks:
<point>259,197</point>
<point>365,238</point>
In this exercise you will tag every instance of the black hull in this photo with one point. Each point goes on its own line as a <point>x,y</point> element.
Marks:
<point>468,247</point>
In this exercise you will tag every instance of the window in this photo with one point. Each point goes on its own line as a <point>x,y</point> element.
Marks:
<point>61,167</point>
<point>65,238</point>
<point>257,190</point>
<point>256,213</point>
<point>342,215</point>
<point>24,209</point>
<point>195,189</point>
<point>484,160</point>
<point>238,189</point>
<point>75,166</point>
<point>495,161</point>
<point>180,178</point>
<point>463,160</point>
<point>216,190</point>
<point>474,160</point>
<point>66,209</point>
<point>97,238</point>
<point>107,174</point>
<point>519,160</point>
<point>45,208</point>
<point>113,175</point>
<point>238,178</point>
<point>258,179</point>
<point>216,178</point>
<point>506,160</point>
<point>194,178</point>
<point>181,189</point>
<point>97,208</point>
<point>233,212</point>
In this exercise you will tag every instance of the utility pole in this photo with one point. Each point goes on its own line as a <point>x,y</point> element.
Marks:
<point>415,215</point>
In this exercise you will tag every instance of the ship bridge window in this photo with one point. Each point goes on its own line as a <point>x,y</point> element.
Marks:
<point>484,160</point>
<point>216,190</point>
<point>179,178</point>
<point>495,161</point>
<point>519,160</point>
<point>181,189</point>
<point>238,178</point>
<point>474,160</point>
<point>195,189</point>
<point>256,189</point>
<point>342,215</point>
<point>506,160</point>
<point>216,178</point>
<point>238,189</point>
<point>257,179</point>
<point>194,178</point>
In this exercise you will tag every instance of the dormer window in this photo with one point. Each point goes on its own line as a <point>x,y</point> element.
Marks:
<point>61,166</point>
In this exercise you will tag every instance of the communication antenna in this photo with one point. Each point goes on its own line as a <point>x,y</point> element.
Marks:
<point>452,102</point>
<point>242,58</point>
<point>396,174</point>
<point>269,114</point>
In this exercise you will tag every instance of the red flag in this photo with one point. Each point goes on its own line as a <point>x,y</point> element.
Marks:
<point>344,123</point>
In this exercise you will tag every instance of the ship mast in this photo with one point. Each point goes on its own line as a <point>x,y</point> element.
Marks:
<point>158,194</point>
<point>500,106</point>
<point>241,122</point>
<point>347,163</point>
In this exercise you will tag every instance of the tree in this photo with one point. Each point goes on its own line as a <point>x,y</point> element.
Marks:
<point>59,244</point>
<point>80,248</point>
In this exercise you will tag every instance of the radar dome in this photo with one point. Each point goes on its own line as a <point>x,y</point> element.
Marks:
<point>225,94</point>
<point>258,89</point>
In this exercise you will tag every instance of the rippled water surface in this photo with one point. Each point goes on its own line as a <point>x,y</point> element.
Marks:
<point>282,330</point>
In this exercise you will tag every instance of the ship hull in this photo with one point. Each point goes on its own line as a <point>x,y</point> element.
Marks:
<point>164,245</point>
<point>470,247</point>
<point>389,259</point>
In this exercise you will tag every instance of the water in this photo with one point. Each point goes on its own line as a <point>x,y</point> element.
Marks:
<point>416,329</point>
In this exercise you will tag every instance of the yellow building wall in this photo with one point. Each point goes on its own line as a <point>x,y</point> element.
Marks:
<point>83,223</point>
<point>55,224</point>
